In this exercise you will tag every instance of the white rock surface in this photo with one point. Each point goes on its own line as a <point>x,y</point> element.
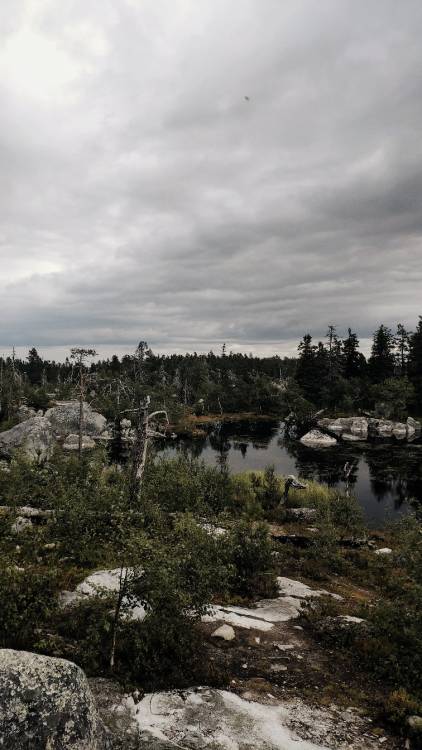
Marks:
<point>316,439</point>
<point>225,632</point>
<point>299,590</point>
<point>219,720</point>
<point>64,418</point>
<point>383,551</point>
<point>102,581</point>
<point>263,616</point>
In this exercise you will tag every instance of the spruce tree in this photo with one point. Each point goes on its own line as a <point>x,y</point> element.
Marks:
<point>382,360</point>
<point>353,360</point>
<point>308,367</point>
<point>402,349</point>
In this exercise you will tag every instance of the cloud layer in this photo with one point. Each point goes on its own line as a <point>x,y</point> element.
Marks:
<point>195,171</point>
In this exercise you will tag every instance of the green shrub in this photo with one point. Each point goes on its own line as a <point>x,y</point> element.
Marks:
<point>248,551</point>
<point>28,598</point>
<point>398,705</point>
<point>84,631</point>
<point>186,485</point>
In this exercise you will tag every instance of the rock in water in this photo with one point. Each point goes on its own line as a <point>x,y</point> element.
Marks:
<point>34,436</point>
<point>317,439</point>
<point>359,427</point>
<point>46,703</point>
<point>65,419</point>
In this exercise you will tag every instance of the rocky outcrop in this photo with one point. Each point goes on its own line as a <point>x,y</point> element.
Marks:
<point>46,703</point>
<point>26,412</point>
<point>359,427</point>
<point>256,720</point>
<point>317,439</point>
<point>64,418</point>
<point>339,425</point>
<point>353,429</point>
<point>34,437</point>
<point>301,514</point>
<point>72,443</point>
<point>25,517</point>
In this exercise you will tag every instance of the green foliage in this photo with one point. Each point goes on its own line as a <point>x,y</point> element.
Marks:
<point>382,360</point>
<point>28,599</point>
<point>84,633</point>
<point>394,396</point>
<point>248,551</point>
<point>393,648</point>
<point>185,484</point>
<point>399,705</point>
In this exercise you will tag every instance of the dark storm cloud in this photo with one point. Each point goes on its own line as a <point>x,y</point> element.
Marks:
<point>143,196</point>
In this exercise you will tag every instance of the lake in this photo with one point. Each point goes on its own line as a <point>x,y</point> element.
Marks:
<point>386,475</point>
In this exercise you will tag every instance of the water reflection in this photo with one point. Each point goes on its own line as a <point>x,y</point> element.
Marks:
<point>384,476</point>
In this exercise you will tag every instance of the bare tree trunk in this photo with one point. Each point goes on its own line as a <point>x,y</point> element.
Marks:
<point>116,618</point>
<point>81,413</point>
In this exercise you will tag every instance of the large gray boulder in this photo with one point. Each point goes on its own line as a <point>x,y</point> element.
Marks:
<point>34,437</point>
<point>46,703</point>
<point>64,418</point>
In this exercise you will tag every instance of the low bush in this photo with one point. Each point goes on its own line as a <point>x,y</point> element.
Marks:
<point>28,600</point>
<point>248,551</point>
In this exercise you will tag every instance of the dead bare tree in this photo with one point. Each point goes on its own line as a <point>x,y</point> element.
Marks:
<point>146,427</point>
<point>80,356</point>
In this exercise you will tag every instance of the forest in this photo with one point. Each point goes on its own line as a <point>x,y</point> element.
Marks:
<point>331,374</point>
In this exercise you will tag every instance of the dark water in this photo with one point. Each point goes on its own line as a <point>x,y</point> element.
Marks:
<point>385,477</point>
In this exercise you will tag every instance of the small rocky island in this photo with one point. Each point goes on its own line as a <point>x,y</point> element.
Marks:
<point>360,429</point>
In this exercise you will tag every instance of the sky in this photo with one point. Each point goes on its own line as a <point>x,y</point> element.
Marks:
<point>193,172</point>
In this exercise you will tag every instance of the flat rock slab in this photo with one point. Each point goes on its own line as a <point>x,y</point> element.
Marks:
<point>221,720</point>
<point>101,582</point>
<point>262,617</point>
<point>297,589</point>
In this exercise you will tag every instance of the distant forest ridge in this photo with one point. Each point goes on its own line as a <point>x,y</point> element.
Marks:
<point>331,373</point>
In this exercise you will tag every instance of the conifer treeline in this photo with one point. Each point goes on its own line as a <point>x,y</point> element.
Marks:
<point>333,374</point>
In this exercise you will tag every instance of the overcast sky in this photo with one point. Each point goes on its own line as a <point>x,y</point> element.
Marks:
<point>191,172</point>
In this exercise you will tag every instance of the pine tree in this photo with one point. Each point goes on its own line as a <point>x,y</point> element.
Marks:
<point>308,367</point>
<point>382,360</point>
<point>334,359</point>
<point>34,367</point>
<point>353,360</point>
<point>402,349</point>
